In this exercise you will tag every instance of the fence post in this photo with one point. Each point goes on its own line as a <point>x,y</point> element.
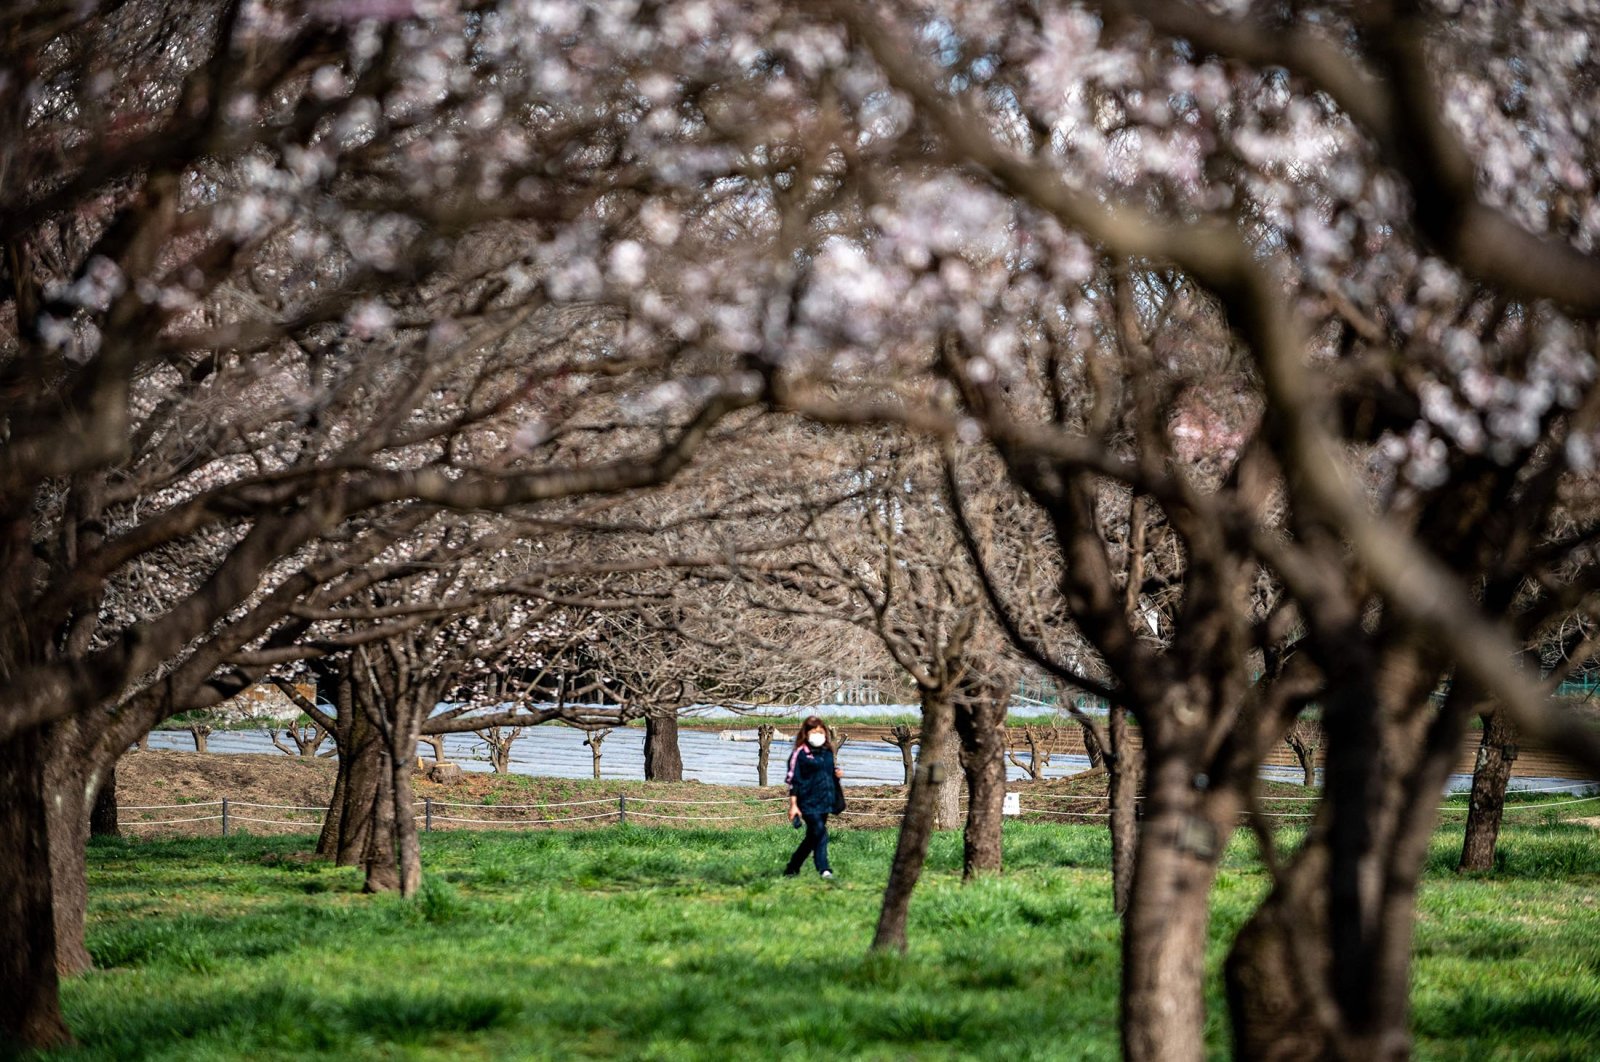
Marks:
<point>427,814</point>
<point>622,809</point>
<point>224,816</point>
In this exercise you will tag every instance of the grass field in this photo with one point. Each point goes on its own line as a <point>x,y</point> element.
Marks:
<point>685,944</point>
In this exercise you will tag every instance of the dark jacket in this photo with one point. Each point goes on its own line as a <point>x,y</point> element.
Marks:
<point>810,778</point>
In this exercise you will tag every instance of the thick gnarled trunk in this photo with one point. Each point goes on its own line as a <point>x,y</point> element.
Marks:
<point>935,770</point>
<point>378,856</point>
<point>980,724</point>
<point>72,780</point>
<point>30,1007</point>
<point>1168,915</point>
<point>662,760</point>
<point>764,734</point>
<point>1322,969</point>
<point>1491,777</point>
<point>407,845</point>
<point>358,788</point>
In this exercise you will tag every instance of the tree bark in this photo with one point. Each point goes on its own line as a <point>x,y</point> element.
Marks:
<point>1322,969</point>
<point>499,741</point>
<point>662,760</point>
<point>70,783</point>
<point>379,858</point>
<point>200,732</point>
<point>1277,965</point>
<point>407,845</point>
<point>346,831</point>
<point>1166,921</point>
<point>947,806</point>
<point>361,791</point>
<point>103,819</point>
<point>764,734</point>
<point>1122,780</point>
<point>981,727</point>
<point>594,740</point>
<point>333,821</point>
<point>1305,738</point>
<point>1491,776</point>
<point>902,739</point>
<point>30,1006</point>
<point>1091,746</point>
<point>933,772</point>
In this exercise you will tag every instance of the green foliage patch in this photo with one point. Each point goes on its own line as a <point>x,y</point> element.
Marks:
<point>634,942</point>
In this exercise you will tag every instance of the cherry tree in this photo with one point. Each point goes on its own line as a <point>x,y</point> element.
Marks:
<point>271,271</point>
<point>1378,363</point>
<point>1281,318</point>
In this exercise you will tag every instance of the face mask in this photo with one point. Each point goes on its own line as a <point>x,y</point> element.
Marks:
<point>817,739</point>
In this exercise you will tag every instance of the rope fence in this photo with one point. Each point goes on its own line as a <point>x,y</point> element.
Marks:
<point>756,809</point>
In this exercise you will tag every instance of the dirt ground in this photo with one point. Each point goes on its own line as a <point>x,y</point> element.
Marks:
<point>164,793</point>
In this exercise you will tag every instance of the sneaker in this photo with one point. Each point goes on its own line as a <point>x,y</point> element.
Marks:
<point>827,873</point>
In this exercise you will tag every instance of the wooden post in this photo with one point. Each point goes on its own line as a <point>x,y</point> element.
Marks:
<point>427,814</point>
<point>622,809</point>
<point>224,816</point>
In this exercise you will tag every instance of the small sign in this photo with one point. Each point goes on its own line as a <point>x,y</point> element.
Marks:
<point>1013,804</point>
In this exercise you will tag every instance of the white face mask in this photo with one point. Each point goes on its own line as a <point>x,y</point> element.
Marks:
<point>817,738</point>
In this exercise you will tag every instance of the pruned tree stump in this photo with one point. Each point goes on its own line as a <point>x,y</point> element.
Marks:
<point>444,772</point>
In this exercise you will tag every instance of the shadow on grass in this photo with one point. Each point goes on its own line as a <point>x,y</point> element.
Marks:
<point>1562,1011</point>
<point>845,1003</point>
<point>280,1019</point>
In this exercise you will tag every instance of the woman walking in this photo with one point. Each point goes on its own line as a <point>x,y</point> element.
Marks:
<point>811,777</point>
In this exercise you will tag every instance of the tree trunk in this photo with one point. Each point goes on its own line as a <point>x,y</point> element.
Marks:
<point>1166,921</point>
<point>1308,762</point>
<point>30,1006</point>
<point>362,790</point>
<point>662,760</point>
<point>1305,751</point>
<point>1122,781</point>
<point>902,739</point>
<point>379,857</point>
<point>1038,758</point>
<point>346,832</point>
<point>933,773</point>
<point>308,744</point>
<point>764,734</point>
<point>103,819</point>
<point>1091,746</point>
<point>200,732</point>
<point>499,740</point>
<point>947,808</point>
<point>1322,969</point>
<point>70,784</point>
<point>1278,963</point>
<point>981,726</point>
<point>333,821</point>
<point>1285,998</point>
<point>1490,778</point>
<point>593,741</point>
<point>407,846</point>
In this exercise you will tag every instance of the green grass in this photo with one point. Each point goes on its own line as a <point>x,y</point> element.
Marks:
<point>685,944</point>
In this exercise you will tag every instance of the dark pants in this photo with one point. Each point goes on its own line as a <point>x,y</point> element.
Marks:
<point>816,843</point>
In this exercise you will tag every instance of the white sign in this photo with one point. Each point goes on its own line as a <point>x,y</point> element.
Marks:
<point>1013,804</point>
